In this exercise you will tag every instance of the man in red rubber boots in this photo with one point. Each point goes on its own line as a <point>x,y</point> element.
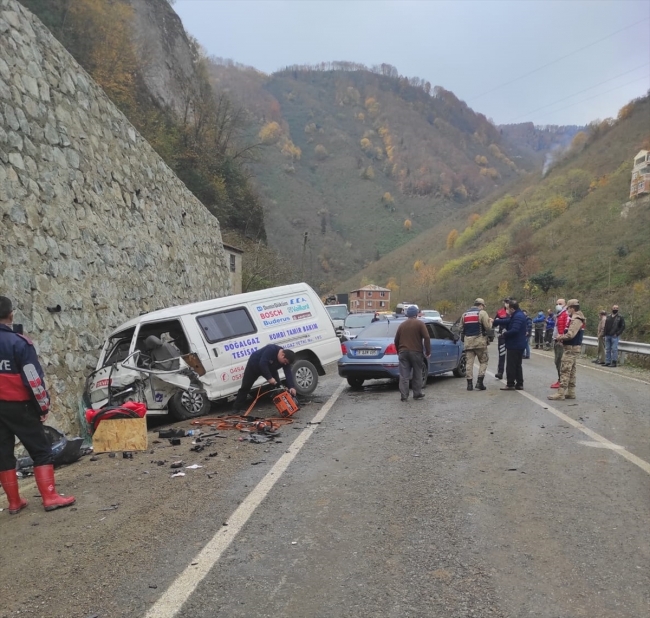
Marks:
<point>24,406</point>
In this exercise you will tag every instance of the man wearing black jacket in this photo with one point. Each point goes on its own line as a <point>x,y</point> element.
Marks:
<point>265,362</point>
<point>614,327</point>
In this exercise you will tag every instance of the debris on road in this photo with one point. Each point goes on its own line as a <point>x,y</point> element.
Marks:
<point>177,464</point>
<point>178,474</point>
<point>193,467</point>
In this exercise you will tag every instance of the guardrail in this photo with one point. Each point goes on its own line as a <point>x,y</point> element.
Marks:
<point>631,347</point>
<point>627,347</point>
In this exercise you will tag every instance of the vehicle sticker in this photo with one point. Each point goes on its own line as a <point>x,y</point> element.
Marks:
<point>301,316</point>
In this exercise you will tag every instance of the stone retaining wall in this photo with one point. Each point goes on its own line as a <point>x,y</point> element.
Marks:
<point>95,228</point>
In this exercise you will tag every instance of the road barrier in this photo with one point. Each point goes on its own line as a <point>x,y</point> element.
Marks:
<point>624,347</point>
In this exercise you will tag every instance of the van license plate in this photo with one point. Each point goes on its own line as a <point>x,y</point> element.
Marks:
<point>366,352</point>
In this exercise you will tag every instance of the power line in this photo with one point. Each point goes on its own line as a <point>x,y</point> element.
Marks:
<point>516,79</point>
<point>579,92</point>
<point>600,94</point>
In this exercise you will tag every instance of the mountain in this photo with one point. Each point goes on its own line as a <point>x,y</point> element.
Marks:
<point>575,223</point>
<point>357,161</point>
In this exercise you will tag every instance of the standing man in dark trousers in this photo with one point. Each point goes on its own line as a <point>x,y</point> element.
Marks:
<point>515,342</point>
<point>502,314</point>
<point>266,362</point>
<point>614,327</point>
<point>408,341</point>
<point>24,406</point>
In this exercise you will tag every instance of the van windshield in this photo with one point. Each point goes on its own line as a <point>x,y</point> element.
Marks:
<point>118,347</point>
<point>337,312</point>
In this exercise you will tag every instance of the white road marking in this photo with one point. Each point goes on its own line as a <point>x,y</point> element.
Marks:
<point>609,372</point>
<point>637,461</point>
<point>172,600</point>
<point>599,445</point>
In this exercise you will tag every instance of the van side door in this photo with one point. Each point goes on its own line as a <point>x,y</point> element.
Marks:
<point>230,336</point>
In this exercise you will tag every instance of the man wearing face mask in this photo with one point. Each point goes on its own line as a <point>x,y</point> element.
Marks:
<point>614,327</point>
<point>502,314</point>
<point>560,325</point>
<point>572,342</point>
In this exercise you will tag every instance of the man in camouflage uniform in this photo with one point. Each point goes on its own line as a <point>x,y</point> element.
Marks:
<point>473,328</point>
<point>572,342</point>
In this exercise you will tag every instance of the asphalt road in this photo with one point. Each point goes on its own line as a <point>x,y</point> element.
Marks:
<point>463,504</point>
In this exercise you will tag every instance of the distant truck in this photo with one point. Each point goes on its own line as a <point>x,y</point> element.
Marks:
<point>338,299</point>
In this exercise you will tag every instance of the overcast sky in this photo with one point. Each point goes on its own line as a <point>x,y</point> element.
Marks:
<point>551,61</point>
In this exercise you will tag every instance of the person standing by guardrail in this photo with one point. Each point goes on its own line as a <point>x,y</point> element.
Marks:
<point>561,322</point>
<point>614,327</point>
<point>600,356</point>
<point>550,327</point>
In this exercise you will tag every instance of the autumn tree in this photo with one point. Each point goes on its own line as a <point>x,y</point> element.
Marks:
<point>417,265</point>
<point>321,152</point>
<point>387,199</point>
<point>408,225</point>
<point>270,133</point>
<point>451,239</point>
<point>472,219</point>
<point>426,279</point>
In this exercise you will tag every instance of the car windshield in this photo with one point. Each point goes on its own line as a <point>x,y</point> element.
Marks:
<point>337,312</point>
<point>355,320</point>
<point>379,330</point>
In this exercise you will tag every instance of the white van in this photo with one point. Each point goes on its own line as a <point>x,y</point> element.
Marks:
<point>178,360</point>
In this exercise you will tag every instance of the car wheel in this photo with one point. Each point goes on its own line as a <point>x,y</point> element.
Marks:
<point>461,370</point>
<point>188,404</point>
<point>305,376</point>
<point>425,372</point>
<point>356,382</point>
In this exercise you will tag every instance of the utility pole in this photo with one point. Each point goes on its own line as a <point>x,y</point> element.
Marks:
<point>302,262</point>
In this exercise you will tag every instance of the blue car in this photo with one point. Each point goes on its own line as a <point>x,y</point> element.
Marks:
<point>372,355</point>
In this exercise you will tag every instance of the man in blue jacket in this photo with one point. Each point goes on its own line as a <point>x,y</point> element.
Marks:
<point>515,340</point>
<point>265,362</point>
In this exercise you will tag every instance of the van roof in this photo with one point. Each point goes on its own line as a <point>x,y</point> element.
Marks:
<point>214,303</point>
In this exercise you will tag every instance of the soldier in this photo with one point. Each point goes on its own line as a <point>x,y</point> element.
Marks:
<point>572,341</point>
<point>473,328</point>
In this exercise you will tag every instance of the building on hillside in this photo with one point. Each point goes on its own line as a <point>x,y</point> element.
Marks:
<point>369,298</point>
<point>234,257</point>
<point>640,184</point>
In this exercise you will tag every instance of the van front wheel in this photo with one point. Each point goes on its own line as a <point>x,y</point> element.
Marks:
<point>188,404</point>
<point>305,376</point>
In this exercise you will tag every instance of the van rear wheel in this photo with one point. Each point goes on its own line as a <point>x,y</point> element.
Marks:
<point>305,376</point>
<point>188,404</point>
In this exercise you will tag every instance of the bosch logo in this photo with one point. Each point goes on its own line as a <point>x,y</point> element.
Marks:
<point>271,314</point>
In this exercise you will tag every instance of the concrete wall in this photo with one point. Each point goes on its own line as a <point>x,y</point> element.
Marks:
<point>92,220</point>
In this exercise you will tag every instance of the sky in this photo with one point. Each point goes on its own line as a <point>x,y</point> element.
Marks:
<point>550,62</point>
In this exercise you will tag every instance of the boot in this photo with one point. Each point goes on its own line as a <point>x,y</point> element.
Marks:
<point>559,396</point>
<point>498,376</point>
<point>614,364</point>
<point>571,393</point>
<point>470,387</point>
<point>44,476</point>
<point>9,482</point>
<point>479,384</point>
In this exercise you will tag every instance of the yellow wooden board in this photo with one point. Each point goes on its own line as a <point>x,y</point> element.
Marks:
<point>124,434</point>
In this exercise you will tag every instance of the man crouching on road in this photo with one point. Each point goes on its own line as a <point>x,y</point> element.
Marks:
<point>473,328</point>
<point>265,362</point>
<point>572,341</point>
<point>408,341</point>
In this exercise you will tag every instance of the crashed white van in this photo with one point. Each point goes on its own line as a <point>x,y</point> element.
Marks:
<point>178,360</point>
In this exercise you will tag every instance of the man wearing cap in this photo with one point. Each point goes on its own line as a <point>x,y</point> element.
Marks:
<point>502,314</point>
<point>24,407</point>
<point>572,342</point>
<point>473,329</point>
<point>409,340</point>
<point>614,327</point>
<point>600,356</point>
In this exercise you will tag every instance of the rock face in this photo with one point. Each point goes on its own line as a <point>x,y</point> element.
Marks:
<point>95,228</point>
<point>166,57</point>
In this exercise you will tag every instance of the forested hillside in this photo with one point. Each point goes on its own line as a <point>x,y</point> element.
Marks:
<point>572,232</point>
<point>359,160</point>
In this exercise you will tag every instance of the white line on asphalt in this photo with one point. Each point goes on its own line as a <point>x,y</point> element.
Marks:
<point>637,461</point>
<point>170,603</point>
<point>608,372</point>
